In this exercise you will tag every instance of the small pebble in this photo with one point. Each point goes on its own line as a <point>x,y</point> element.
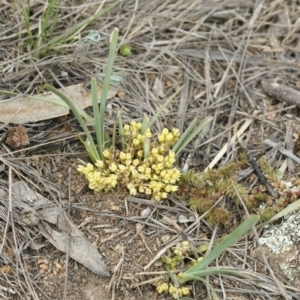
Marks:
<point>146,212</point>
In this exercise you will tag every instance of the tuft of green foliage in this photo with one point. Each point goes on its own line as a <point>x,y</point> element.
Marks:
<point>182,256</point>
<point>203,190</point>
<point>140,164</point>
<point>46,41</point>
<point>269,172</point>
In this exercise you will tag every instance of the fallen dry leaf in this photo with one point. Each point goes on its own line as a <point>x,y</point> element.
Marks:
<point>70,239</point>
<point>25,109</point>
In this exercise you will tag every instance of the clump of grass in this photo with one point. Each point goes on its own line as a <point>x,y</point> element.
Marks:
<point>45,40</point>
<point>140,163</point>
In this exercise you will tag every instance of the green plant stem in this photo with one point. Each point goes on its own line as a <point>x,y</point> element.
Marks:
<point>50,15</point>
<point>155,117</point>
<point>106,83</point>
<point>212,290</point>
<point>26,16</point>
<point>197,270</point>
<point>97,116</point>
<point>192,131</point>
<point>95,155</point>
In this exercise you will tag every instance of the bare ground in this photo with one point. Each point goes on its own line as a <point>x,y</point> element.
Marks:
<point>227,55</point>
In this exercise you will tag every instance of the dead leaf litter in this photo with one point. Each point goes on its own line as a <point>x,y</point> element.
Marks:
<point>238,62</point>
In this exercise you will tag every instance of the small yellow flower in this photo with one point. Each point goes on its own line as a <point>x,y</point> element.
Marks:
<point>163,195</point>
<point>133,171</point>
<point>100,164</point>
<point>133,191</point>
<point>160,158</point>
<point>141,169</point>
<point>178,252</point>
<point>133,124</point>
<point>163,173</point>
<point>165,131</point>
<point>162,288</point>
<point>157,197</point>
<point>106,154</point>
<point>135,162</point>
<point>174,188</point>
<point>176,132</point>
<point>154,151</point>
<point>140,153</point>
<point>80,168</point>
<point>97,176</point>
<point>162,149</point>
<point>89,167</point>
<point>172,289</point>
<point>168,188</point>
<point>113,167</point>
<point>113,180</point>
<point>122,155</point>
<point>161,139</point>
<point>169,137</point>
<point>136,142</point>
<point>128,156</point>
<point>122,168</point>
<point>148,133</point>
<point>128,162</point>
<point>155,177</point>
<point>185,291</point>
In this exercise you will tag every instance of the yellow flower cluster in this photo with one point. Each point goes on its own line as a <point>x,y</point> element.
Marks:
<point>165,287</point>
<point>153,175</point>
<point>182,248</point>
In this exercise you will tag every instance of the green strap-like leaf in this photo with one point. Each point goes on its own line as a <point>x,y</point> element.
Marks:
<point>216,252</point>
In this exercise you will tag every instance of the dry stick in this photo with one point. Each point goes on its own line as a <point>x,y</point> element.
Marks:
<point>117,267</point>
<point>159,255</point>
<point>244,43</point>
<point>139,227</point>
<point>246,124</point>
<point>154,204</point>
<point>281,92</point>
<point>289,146</point>
<point>177,227</point>
<point>282,150</point>
<point>257,170</point>
<point>184,100</point>
<point>139,231</point>
<point>6,162</point>
<point>131,21</point>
